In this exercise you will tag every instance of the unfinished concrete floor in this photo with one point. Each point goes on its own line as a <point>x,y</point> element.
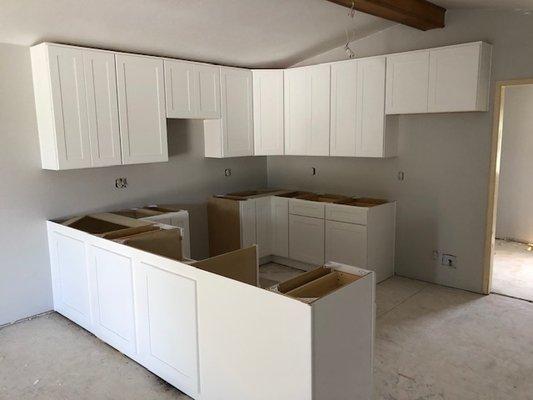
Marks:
<point>512,271</point>
<point>432,343</point>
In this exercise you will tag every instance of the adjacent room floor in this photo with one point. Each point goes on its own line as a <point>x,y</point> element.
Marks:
<point>512,272</point>
<point>432,343</point>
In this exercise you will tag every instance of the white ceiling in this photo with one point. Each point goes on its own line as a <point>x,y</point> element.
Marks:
<point>232,32</point>
<point>251,33</point>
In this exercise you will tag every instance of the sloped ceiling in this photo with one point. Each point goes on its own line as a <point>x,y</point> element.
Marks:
<point>248,33</point>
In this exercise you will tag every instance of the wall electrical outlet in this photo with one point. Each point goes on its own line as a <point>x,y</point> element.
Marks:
<point>227,172</point>
<point>121,183</point>
<point>449,260</point>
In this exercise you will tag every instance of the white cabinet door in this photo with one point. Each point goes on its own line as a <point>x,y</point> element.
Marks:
<point>296,111</point>
<point>70,278</point>
<point>141,100</point>
<point>407,83</point>
<point>306,239</point>
<point>346,243</point>
<point>263,218</point>
<point>268,112</point>
<point>181,89</point>
<point>280,226</point>
<point>165,303</point>
<point>319,110</point>
<point>208,91</point>
<point>247,215</point>
<point>70,107</point>
<point>454,78</point>
<point>344,96</point>
<point>102,108</point>
<point>192,90</point>
<point>112,297</point>
<point>237,113</point>
<point>370,110</point>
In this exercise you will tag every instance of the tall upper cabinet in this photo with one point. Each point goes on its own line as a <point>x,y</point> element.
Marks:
<point>192,89</point>
<point>232,135</point>
<point>446,79</point>
<point>268,112</point>
<point>307,110</point>
<point>76,105</point>
<point>359,127</point>
<point>141,101</point>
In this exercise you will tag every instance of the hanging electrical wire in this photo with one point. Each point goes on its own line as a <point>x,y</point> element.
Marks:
<point>347,49</point>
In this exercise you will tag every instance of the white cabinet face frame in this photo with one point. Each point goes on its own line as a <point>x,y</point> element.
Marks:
<point>408,83</point>
<point>263,212</point>
<point>268,112</point>
<point>69,107</point>
<point>141,100</point>
<point>280,226</point>
<point>102,107</point>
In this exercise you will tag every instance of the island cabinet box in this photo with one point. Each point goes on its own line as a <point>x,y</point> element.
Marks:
<point>208,329</point>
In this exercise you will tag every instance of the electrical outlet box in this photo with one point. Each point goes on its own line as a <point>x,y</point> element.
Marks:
<point>121,183</point>
<point>449,260</point>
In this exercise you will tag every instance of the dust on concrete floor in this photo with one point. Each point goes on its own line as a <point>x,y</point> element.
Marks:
<point>432,343</point>
<point>512,271</point>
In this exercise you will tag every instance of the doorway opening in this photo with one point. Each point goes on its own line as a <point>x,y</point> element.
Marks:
<point>509,242</point>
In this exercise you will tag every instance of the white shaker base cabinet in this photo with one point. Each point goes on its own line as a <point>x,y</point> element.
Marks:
<point>141,103</point>
<point>306,239</point>
<point>213,336</point>
<point>346,243</point>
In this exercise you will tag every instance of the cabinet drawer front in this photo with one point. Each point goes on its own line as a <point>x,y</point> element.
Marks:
<point>350,214</point>
<point>306,208</point>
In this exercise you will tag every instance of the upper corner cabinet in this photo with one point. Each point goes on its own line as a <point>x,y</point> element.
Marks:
<point>446,79</point>
<point>268,112</point>
<point>192,90</point>
<point>233,134</point>
<point>141,101</point>
<point>76,107</point>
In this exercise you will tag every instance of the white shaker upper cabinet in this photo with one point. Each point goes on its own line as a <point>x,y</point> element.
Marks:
<point>232,135</point>
<point>268,112</point>
<point>319,96</point>
<point>343,108</point>
<point>376,134</point>
<point>296,111</point>
<point>459,78</point>
<point>307,110</point>
<point>407,83</point>
<point>102,107</point>
<point>192,90</point>
<point>141,101</point>
<point>61,105</point>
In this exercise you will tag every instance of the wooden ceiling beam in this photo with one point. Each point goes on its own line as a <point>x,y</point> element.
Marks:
<point>419,14</point>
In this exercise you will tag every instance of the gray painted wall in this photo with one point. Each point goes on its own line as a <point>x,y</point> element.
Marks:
<point>29,195</point>
<point>515,195</point>
<point>443,200</point>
